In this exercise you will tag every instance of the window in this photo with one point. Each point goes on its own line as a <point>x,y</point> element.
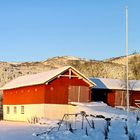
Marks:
<point>22,109</point>
<point>8,109</point>
<point>15,110</point>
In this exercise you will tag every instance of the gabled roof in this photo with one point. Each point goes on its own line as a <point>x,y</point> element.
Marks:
<point>41,78</point>
<point>107,83</point>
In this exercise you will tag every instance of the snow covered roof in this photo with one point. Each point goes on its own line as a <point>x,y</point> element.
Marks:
<point>135,85</point>
<point>107,83</point>
<point>41,78</point>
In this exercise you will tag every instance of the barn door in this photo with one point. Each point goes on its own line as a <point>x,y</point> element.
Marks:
<point>78,94</point>
<point>120,98</point>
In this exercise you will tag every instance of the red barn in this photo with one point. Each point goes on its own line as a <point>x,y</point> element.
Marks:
<point>47,94</point>
<point>113,91</point>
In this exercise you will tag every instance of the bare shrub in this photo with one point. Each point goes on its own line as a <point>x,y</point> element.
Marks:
<point>137,118</point>
<point>92,124</point>
<point>86,131</point>
<point>108,121</point>
<point>126,129</point>
<point>105,132</point>
<point>132,136</point>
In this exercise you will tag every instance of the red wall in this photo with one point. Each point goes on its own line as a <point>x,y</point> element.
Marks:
<point>135,95</point>
<point>56,92</point>
<point>25,95</point>
<point>111,99</point>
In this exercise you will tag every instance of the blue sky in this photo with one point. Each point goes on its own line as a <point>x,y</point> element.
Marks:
<point>34,30</point>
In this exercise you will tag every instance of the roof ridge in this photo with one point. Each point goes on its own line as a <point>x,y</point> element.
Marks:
<point>40,78</point>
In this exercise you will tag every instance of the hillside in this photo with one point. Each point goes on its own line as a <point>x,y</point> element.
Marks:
<point>122,59</point>
<point>110,68</point>
<point>133,63</point>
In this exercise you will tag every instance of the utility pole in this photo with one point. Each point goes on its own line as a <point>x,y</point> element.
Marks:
<point>126,43</point>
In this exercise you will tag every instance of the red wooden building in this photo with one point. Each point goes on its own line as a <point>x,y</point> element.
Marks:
<point>46,94</point>
<point>113,91</point>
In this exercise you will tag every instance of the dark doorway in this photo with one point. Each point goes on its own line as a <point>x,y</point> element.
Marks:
<point>99,95</point>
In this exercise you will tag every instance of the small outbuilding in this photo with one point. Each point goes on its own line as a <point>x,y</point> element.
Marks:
<point>47,94</point>
<point>113,91</point>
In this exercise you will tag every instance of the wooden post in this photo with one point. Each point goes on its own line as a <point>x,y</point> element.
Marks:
<point>69,73</point>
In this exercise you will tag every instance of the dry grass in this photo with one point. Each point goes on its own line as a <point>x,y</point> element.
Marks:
<point>90,68</point>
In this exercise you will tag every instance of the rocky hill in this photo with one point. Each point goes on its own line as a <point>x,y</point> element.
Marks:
<point>111,68</point>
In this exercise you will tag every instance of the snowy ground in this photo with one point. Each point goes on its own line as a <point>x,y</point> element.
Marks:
<point>116,129</point>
